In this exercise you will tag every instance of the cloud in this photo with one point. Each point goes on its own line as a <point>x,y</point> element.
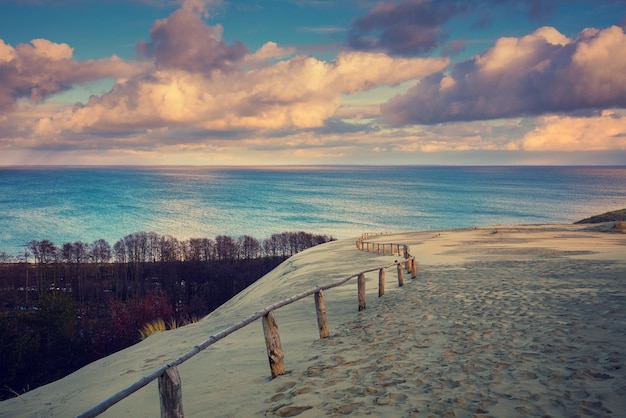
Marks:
<point>267,53</point>
<point>544,72</point>
<point>604,132</point>
<point>418,27</point>
<point>409,27</point>
<point>301,92</point>
<point>322,29</point>
<point>198,81</point>
<point>41,68</point>
<point>183,41</point>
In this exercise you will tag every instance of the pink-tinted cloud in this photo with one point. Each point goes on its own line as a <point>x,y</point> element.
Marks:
<point>41,68</point>
<point>543,72</point>
<point>410,27</point>
<point>201,82</point>
<point>267,53</point>
<point>417,27</point>
<point>603,132</point>
<point>183,41</point>
<point>301,92</point>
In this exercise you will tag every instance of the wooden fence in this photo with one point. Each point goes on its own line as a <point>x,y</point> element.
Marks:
<point>381,247</point>
<point>169,383</point>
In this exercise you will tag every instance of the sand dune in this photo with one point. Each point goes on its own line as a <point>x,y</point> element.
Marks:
<point>501,321</point>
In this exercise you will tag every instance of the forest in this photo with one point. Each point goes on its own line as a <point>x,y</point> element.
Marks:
<point>62,307</point>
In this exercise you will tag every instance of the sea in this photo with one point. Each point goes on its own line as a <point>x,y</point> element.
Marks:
<point>69,204</point>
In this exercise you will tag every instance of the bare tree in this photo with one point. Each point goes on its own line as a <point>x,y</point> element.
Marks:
<point>169,249</point>
<point>100,252</point>
<point>45,253</point>
<point>250,247</point>
<point>226,248</point>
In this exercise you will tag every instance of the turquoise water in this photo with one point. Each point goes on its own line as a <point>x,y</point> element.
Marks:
<point>85,203</point>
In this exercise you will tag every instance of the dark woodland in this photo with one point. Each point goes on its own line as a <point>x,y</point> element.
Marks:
<point>63,307</point>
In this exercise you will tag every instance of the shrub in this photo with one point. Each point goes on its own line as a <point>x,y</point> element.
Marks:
<point>127,320</point>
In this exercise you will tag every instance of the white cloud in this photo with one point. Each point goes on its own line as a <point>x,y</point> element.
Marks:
<point>41,68</point>
<point>540,73</point>
<point>300,92</point>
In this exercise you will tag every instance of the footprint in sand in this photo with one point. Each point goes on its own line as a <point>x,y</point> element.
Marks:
<point>347,408</point>
<point>291,411</point>
<point>391,399</point>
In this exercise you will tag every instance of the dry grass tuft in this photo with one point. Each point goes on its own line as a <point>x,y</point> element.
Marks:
<point>620,226</point>
<point>158,325</point>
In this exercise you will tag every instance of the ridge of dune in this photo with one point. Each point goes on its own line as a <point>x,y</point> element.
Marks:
<point>504,320</point>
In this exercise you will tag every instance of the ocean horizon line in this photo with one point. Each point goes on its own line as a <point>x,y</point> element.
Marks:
<point>294,166</point>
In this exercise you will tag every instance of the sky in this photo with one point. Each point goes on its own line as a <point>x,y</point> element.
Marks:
<point>308,82</point>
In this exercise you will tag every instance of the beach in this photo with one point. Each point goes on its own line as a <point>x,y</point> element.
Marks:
<point>504,321</point>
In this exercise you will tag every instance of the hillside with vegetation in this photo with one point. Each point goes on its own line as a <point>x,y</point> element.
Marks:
<point>62,307</point>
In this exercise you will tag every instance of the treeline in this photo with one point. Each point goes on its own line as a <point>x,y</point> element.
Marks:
<point>87,269</point>
<point>65,306</point>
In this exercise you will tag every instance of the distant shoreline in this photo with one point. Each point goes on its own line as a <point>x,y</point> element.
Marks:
<point>613,216</point>
<point>296,166</point>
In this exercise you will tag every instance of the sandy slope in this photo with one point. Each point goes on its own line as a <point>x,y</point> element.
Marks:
<point>501,321</point>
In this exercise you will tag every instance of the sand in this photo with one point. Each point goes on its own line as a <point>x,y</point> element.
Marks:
<point>501,321</point>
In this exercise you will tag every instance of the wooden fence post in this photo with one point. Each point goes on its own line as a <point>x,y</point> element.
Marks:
<point>400,276</point>
<point>274,348</point>
<point>320,308</point>
<point>392,250</point>
<point>381,282</point>
<point>170,393</point>
<point>361,291</point>
<point>414,269</point>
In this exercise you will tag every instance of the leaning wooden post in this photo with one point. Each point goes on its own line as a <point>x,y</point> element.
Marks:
<point>400,276</point>
<point>272,341</point>
<point>171,395</point>
<point>381,282</point>
<point>320,308</point>
<point>361,291</point>
<point>414,268</point>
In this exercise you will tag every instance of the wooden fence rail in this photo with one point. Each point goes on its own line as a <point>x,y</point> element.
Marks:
<point>394,248</point>
<point>381,247</point>
<point>169,380</point>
